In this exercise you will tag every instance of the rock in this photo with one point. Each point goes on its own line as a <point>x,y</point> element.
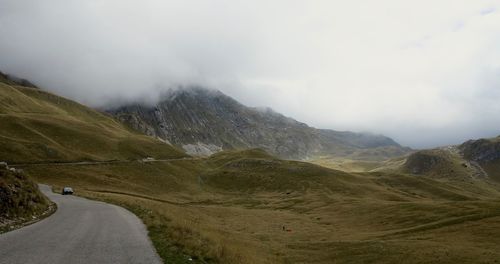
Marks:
<point>201,149</point>
<point>204,121</point>
<point>482,150</point>
<point>4,165</point>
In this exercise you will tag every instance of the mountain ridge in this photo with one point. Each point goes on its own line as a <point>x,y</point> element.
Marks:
<point>37,126</point>
<point>204,121</point>
<point>248,206</point>
<point>473,159</point>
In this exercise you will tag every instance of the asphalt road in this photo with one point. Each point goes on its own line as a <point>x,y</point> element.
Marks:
<point>80,231</point>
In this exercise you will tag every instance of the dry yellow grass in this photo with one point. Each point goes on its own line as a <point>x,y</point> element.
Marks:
<point>330,216</point>
<point>37,126</point>
<point>233,207</point>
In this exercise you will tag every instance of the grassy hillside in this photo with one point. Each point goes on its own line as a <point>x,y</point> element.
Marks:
<point>437,163</point>
<point>20,198</point>
<point>346,164</point>
<point>12,80</point>
<point>474,159</point>
<point>249,207</point>
<point>38,126</point>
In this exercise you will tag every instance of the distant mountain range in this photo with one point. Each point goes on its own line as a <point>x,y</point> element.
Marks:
<point>204,121</point>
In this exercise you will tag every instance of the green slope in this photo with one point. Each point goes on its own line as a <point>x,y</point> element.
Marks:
<point>472,160</point>
<point>232,207</point>
<point>38,126</point>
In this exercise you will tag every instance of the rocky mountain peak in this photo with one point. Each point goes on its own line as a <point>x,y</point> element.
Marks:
<point>204,121</point>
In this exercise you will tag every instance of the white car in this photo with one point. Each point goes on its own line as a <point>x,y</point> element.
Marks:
<point>67,190</point>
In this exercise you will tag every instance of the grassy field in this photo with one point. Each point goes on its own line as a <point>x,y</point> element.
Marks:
<point>248,207</point>
<point>348,165</point>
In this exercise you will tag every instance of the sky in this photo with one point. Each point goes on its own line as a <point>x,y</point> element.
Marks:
<point>426,73</point>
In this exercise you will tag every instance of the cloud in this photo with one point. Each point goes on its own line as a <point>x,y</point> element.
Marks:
<point>426,73</point>
<point>487,10</point>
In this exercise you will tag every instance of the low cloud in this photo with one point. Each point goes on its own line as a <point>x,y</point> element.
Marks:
<point>426,73</point>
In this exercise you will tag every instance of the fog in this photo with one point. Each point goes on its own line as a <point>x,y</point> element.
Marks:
<point>426,73</point>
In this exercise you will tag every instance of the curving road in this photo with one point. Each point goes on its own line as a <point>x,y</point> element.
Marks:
<point>80,231</point>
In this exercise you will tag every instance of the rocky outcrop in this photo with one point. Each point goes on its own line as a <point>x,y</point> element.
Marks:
<point>201,149</point>
<point>481,150</point>
<point>483,154</point>
<point>474,159</point>
<point>206,121</point>
<point>20,198</point>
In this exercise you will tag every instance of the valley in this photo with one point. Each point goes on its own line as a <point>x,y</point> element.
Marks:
<point>234,211</point>
<point>361,199</point>
<point>249,132</point>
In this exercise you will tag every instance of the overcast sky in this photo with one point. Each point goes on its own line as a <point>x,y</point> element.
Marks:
<point>424,72</point>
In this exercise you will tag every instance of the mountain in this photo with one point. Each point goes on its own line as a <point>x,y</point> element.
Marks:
<point>37,126</point>
<point>246,206</point>
<point>471,160</point>
<point>204,121</point>
<point>485,153</point>
<point>13,80</point>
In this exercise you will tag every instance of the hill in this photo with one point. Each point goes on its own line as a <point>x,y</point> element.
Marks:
<point>204,121</point>
<point>250,207</point>
<point>21,199</point>
<point>485,153</point>
<point>474,159</point>
<point>13,80</point>
<point>36,126</point>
